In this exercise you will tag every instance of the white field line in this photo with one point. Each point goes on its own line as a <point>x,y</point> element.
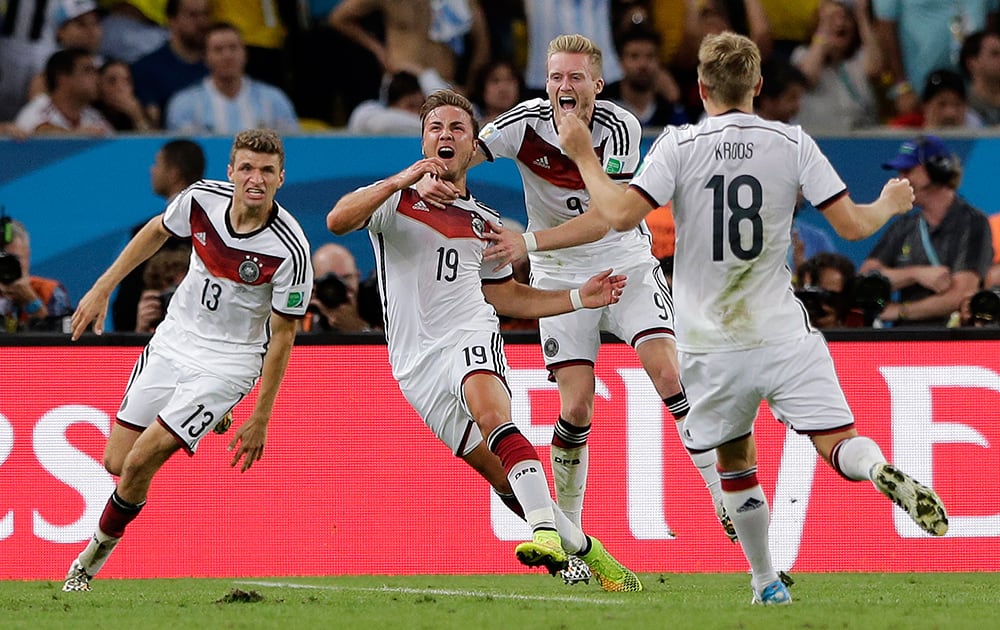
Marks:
<point>440,592</point>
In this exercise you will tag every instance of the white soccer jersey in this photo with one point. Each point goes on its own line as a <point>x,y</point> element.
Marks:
<point>219,314</point>
<point>430,270</point>
<point>554,191</point>
<point>734,181</point>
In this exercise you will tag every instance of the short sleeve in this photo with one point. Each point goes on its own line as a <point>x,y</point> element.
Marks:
<point>655,177</point>
<point>177,216</point>
<point>293,284</point>
<point>385,214</point>
<point>819,180</point>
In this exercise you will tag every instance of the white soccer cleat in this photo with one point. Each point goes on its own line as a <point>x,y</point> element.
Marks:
<point>76,578</point>
<point>575,572</point>
<point>922,504</point>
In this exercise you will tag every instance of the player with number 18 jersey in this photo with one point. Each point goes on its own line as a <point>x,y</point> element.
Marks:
<point>734,196</point>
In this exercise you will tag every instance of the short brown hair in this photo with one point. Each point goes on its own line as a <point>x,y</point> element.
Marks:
<point>729,67</point>
<point>448,97</point>
<point>580,45</point>
<point>259,141</point>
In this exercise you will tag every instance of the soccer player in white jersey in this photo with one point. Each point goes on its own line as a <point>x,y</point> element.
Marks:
<point>441,303</point>
<point>566,244</point>
<point>743,336</point>
<point>231,321</point>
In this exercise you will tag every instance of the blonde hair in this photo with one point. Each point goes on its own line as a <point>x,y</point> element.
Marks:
<point>729,67</point>
<point>259,141</point>
<point>578,44</point>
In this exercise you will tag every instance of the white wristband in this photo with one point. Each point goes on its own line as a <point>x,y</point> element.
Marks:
<point>530,243</point>
<point>575,300</point>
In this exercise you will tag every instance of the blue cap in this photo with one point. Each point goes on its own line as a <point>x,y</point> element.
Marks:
<point>914,152</point>
<point>66,10</point>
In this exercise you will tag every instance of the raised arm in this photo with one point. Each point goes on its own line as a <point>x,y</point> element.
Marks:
<point>354,209</point>
<point>93,306</point>
<point>857,221</point>
<point>346,18</point>
<point>619,208</point>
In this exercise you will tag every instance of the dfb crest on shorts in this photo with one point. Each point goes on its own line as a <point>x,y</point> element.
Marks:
<point>550,347</point>
<point>478,226</point>
<point>249,270</point>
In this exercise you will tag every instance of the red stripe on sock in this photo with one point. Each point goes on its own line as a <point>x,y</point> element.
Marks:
<point>513,449</point>
<point>739,483</point>
<point>114,519</point>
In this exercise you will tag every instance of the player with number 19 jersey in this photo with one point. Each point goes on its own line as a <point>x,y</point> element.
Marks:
<point>734,197</point>
<point>554,191</point>
<point>218,316</point>
<point>429,265</point>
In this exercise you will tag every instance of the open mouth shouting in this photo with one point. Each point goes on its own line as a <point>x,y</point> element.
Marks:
<point>567,103</point>
<point>446,152</point>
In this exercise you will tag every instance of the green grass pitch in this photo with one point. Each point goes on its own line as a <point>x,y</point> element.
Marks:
<point>481,602</point>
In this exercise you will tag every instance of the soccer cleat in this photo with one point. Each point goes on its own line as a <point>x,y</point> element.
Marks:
<point>611,574</point>
<point>774,594</point>
<point>543,550</point>
<point>223,425</point>
<point>76,579</point>
<point>576,571</point>
<point>727,525</point>
<point>920,502</point>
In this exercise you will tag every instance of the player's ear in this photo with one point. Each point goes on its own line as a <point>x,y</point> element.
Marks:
<point>229,172</point>
<point>599,86</point>
<point>281,178</point>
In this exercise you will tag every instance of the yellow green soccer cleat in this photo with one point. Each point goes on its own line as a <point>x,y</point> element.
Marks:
<point>612,575</point>
<point>543,550</point>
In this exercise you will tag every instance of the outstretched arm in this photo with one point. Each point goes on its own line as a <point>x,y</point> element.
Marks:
<point>354,209</point>
<point>506,246</point>
<point>93,306</point>
<point>514,299</point>
<point>855,222</point>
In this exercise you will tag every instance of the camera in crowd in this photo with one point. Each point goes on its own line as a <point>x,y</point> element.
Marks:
<point>10,268</point>
<point>859,304</point>
<point>872,291</point>
<point>10,265</point>
<point>984,307</point>
<point>330,290</point>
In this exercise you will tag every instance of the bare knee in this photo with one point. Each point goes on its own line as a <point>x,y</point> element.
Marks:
<point>113,463</point>
<point>578,412</point>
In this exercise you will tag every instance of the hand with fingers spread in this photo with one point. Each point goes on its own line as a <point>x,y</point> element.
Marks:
<point>602,289</point>
<point>506,246</point>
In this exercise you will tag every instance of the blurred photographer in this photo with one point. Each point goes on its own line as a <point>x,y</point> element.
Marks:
<point>937,255</point>
<point>163,272</point>
<point>981,309</point>
<point>826,290</point>
<point>334,304</point>
<point>27,302</point>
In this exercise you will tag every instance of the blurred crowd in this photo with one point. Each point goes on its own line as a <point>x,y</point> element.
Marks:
<point>99,67</point>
